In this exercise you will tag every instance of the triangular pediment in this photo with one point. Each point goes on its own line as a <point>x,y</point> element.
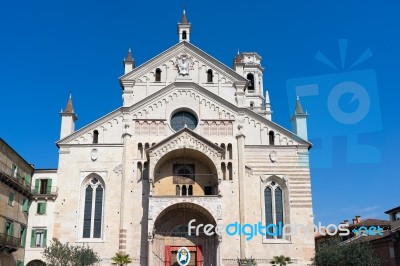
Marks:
<point>185,139</point>
<point>218,109</point>
<point>168,59</point>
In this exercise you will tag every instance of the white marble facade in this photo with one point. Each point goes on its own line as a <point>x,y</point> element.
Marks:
<point>116,178</point>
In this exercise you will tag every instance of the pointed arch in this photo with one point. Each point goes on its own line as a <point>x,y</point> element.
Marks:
<point>92,216</point>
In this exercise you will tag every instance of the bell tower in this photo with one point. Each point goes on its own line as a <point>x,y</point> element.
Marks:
<point>184,28</point>
<point>248,65</point>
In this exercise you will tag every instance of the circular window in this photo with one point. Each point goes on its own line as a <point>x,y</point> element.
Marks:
<point>181,119</point>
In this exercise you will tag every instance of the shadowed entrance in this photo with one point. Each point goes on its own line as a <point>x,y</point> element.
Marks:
<point>171,233</point>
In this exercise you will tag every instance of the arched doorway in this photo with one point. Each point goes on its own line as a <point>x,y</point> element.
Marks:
<point>36,263</point>
<point>171,233</point>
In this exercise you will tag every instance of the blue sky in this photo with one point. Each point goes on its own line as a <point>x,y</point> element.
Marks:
<point>52,48</point>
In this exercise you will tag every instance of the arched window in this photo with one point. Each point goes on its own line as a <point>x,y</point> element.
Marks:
<point>268,208</point>
<point>184,192</point>
<point>177,190</point>
<point>146,171</point>
<point>95,136</point>
<point>250,78</point>
<point>224,153</point>
<point>223,168</point>
<point>230,171</point>
<point>158,74</point>
<point>181,119</point>
<point>271,136</point>
<point>251,105</point>
<point>140,151</point>
<point>230,151</point>
<point>139,171</point>
<point>190,190</point>
<point>184,35</point>
<point>209,75</point>
<point>93,209</point>
<point>273,208</point>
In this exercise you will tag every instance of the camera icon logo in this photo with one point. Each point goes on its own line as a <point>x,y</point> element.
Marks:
<point>345,103</point>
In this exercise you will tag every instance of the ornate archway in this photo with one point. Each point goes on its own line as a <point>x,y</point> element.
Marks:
<point>171,232</point>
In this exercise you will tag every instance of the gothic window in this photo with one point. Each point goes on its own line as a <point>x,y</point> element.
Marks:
<point>93,208</point>
<point>230,173</point>
<point>274,208</point>
<point>250,86</point>
<point>181,119</point>
<point>95,137</point>
<point>158,74</point>
<point>229,151</point>
<point>209,75</point>
<point>184,35</point>
<point>271,136</point>
<point>223,168</point>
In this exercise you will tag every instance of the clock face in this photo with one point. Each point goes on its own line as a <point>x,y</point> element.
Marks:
<point>181,119</point>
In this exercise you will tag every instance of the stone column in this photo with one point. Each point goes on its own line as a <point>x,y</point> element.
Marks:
<point>122,230</point>
<point>241,174</point>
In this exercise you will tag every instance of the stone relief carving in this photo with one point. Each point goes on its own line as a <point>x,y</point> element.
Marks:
<point>118,170</point>
<point>94,155</point>
<point>183,63</point>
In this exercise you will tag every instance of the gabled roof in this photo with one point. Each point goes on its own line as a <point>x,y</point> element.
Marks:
<point>182,131</point>
<point>184,85</point>
<point>220,100</point>
<point>175,50</point>
<point>396,209</point>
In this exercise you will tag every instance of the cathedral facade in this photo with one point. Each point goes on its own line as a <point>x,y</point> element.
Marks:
<point>192,148</point>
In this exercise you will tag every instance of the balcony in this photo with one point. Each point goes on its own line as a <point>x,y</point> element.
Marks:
<point>45,192</point>
<point>15,181</point>
<point>8,243</point>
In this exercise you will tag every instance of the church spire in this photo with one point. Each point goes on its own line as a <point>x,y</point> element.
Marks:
<point>184,19</point>
<point>68,118</point>
<point>184,28</point>
<point>298,109</point>
<point>69,107</point>
<point>129,62</point>
<point>299,121</point>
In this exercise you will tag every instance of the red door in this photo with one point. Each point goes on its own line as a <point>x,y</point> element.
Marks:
<point>195,252</point>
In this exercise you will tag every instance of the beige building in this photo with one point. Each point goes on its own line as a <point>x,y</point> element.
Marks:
<point>193,139</point>
<point>15,194</point>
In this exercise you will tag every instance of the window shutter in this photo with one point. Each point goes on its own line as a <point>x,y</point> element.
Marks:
<point>48,188</point>
<point>27,179</point>
<point>25,205</point>
<point>11,233</point>
<point>44,238</point>
<point>33,238</point>
<point>23,236</point>
<point>41,208</point>
<point>37,182</point>
<point>10,198</point>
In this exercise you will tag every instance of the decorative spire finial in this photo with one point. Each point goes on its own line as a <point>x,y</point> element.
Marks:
<point>184,19</point>
<point>69,108</point>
